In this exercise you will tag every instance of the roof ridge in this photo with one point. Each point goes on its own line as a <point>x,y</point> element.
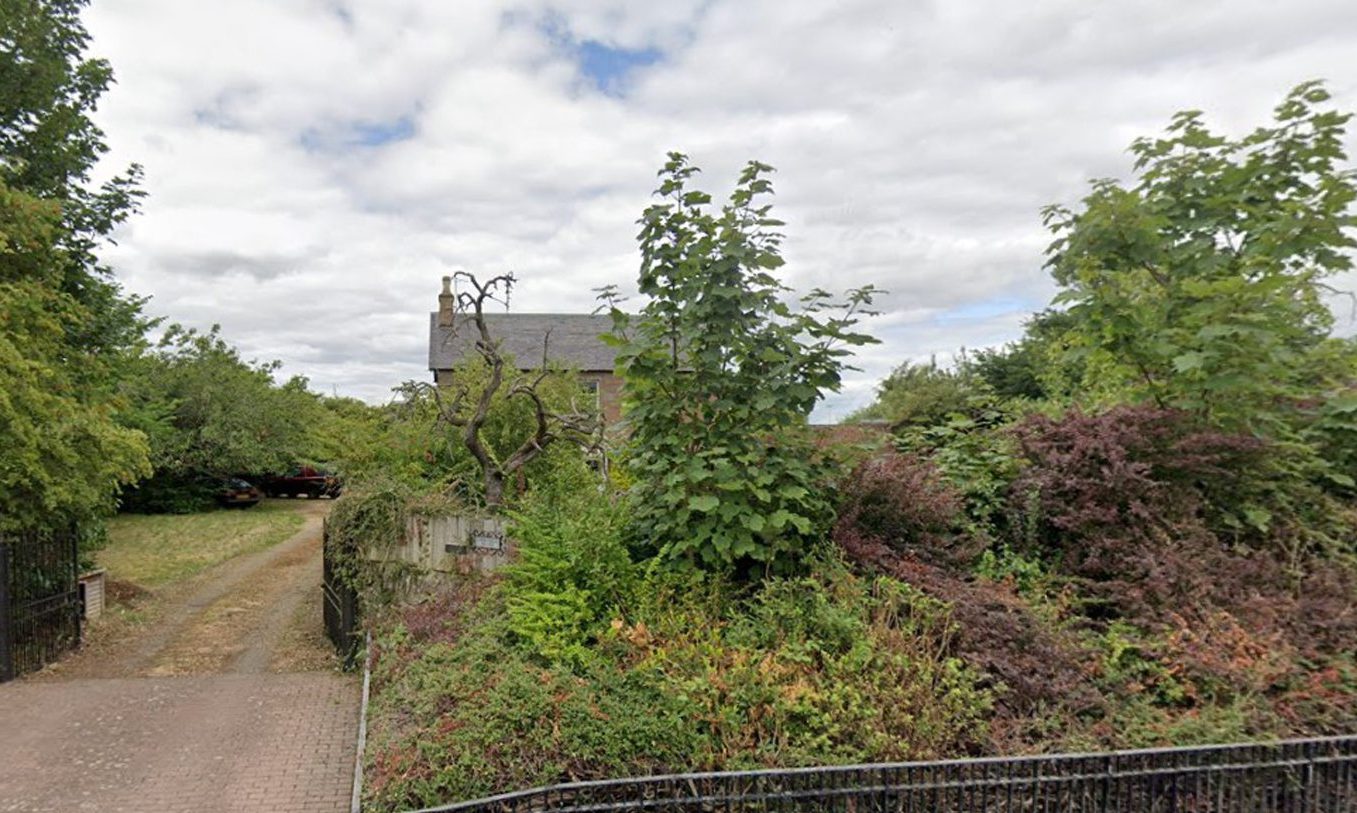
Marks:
<point>537,313</point>
<point>574,338</point>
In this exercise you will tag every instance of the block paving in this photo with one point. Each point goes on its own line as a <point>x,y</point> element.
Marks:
<point>181,719</point>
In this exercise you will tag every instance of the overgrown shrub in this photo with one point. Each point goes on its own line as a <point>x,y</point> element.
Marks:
<point>1037,671</point>
<point>721,374</point>
<point>1121,498</point>
<point>465,713</point>
<point>1143,511</point>
<point>573,572</point>
<point>1333,431</point>
<point>977,458</point>
<point>828,668</point>
<point>825,669</point>
<point>923,395</point>
<point>904,502</point>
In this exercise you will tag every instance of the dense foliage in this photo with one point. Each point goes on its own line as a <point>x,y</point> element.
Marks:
<point>721,374</point>
<point>62,453</point>
<point>87,409</point>
<point>1201,287</point>
<point>921,394</point>
<point>1159,473</point>
<point>66,329</point>
<point>1132,527</point>
<point>207,413</point>
<point>623,671</point>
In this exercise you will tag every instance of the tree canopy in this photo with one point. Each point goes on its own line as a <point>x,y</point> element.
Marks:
<point>1202,286</point>
<point>721,375</point>
<point>69,331</point>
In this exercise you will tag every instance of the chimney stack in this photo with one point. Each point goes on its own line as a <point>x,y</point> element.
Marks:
<point>446,304</point>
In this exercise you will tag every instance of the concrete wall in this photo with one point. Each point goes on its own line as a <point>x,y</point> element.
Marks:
<point>454,544</point>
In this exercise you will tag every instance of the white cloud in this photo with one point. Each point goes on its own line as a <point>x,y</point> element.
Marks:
<point>915,143</point>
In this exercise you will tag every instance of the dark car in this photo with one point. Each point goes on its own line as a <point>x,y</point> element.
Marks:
<point>233,492</point>
<point>302,481</point>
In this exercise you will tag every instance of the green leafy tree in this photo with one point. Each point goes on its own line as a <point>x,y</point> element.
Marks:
<point>62,456</point>
<point>67,331</point>
<point>922,394</point>
<point>1202,286</point>
<point>345,432</point>
<point>209,413</point>
<point>1037,366</point>
<point>49,147</point>
<point>721,374</point>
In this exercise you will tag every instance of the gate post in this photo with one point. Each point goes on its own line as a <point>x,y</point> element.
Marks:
<point>77,611</point>
<point>6,628</point>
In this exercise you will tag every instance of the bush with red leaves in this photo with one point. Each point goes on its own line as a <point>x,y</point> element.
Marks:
<point>905,503</point>
<point>1128,504</point>
<point>1042,673</point>
<point>900,517</point>
<point>1123,500</point>
<point>1127,509</point>
<point>1131,473</point>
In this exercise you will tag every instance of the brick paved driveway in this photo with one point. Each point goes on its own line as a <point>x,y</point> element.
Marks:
<point>200,743</point>
<point>233,727</point>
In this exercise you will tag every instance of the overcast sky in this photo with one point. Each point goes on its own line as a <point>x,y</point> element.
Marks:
<point>313,167</point>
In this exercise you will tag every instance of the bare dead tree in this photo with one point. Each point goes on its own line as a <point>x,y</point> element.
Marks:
<point>466,408</point>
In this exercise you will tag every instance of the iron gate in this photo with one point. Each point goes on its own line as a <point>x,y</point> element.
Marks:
<point>39,599</point>
<point>1296,776</point>
<point>340,605</point>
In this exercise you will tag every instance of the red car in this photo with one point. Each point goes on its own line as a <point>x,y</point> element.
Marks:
<point>302,481</point>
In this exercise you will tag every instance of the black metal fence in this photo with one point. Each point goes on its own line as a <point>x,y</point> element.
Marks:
<point>39,599</point>
<point>1298,776</point>
<point>340,606</point>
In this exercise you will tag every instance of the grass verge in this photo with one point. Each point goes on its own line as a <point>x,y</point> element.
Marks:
<point>155,550</point>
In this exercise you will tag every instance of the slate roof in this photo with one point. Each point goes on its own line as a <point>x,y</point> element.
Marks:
<point>574,340</point>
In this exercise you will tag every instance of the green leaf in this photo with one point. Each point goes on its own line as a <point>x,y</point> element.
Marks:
<point>1259,518</point>
<point>1187,362</point>
<point>703,503</point>
<point>1340,479</point>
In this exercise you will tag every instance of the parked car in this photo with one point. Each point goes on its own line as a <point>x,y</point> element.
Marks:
<point>234,492</point>
<point>302,481</point>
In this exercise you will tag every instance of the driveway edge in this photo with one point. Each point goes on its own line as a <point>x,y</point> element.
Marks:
<point>356,802</point>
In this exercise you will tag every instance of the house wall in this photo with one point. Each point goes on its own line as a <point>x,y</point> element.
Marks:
<point>609,394</point>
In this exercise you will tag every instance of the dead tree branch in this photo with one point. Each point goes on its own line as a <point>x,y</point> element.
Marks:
<point>582,427</point>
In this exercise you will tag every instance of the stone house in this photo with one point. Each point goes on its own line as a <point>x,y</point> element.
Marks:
<point>571,339</point>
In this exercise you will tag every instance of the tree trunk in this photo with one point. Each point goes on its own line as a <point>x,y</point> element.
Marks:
<point>494,489</point>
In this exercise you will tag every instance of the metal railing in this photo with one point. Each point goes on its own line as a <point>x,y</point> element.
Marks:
<point>340,606</point>
<point>40,611</point>
<point>1295,776</point>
